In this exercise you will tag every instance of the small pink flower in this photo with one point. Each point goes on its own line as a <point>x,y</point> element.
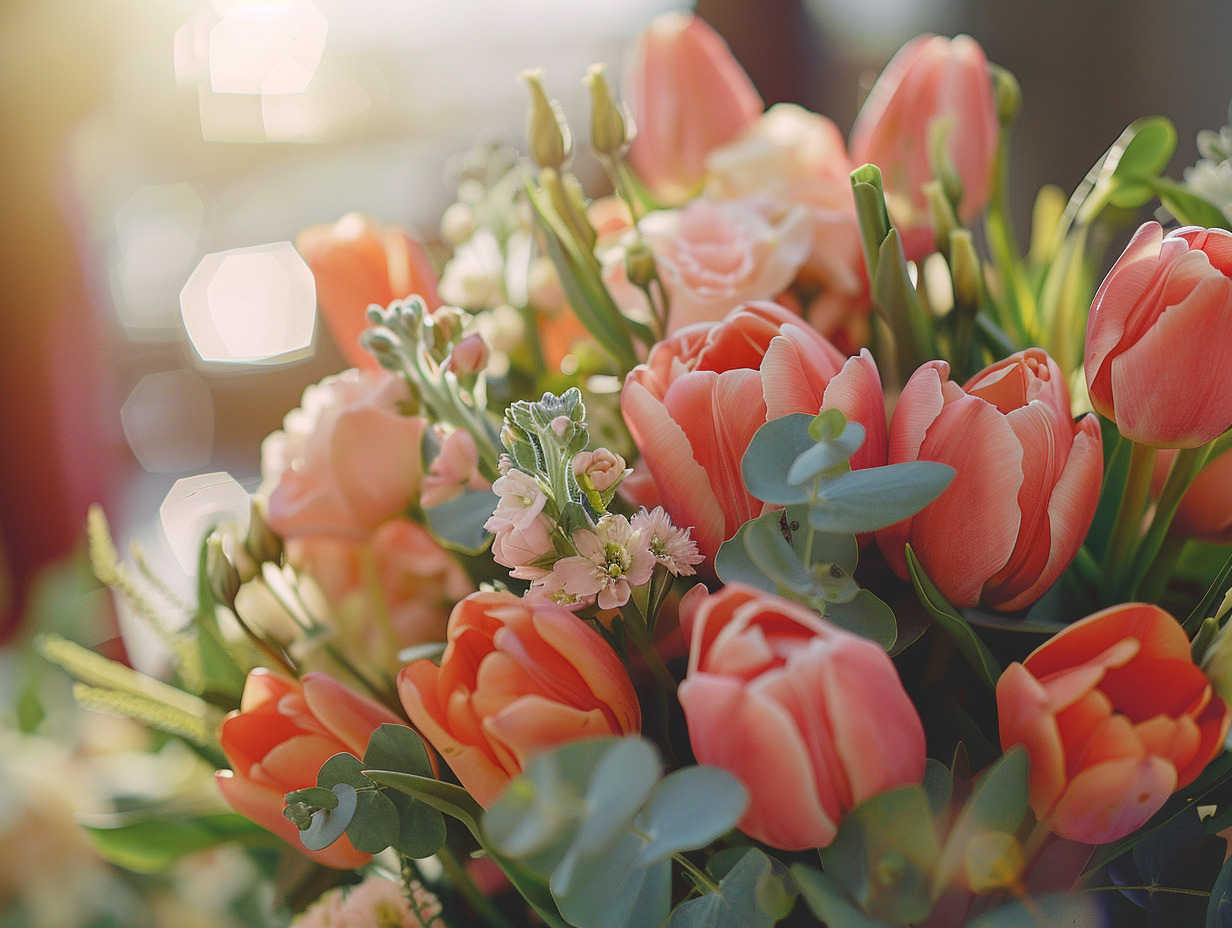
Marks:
<point>611,560</point>
<point>454,470</point>
<point>672,547</point>
<point>604,468</point>
<point>523,534</point>
<point>469,356</point>
<point>521,499</point>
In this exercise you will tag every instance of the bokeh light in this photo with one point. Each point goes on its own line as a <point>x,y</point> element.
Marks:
<point>253,305</point>
<point>168,420</point>
<point>194,506</point>
<point>266,48</point>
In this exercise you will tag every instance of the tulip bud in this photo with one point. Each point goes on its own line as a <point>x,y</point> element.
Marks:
<point>551,145</point>
<point>608,130</point>
<point>640,264</point>
<point>1006,93</point>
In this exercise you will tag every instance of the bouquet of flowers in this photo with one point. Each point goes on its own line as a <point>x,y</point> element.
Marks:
<point>768,539</point>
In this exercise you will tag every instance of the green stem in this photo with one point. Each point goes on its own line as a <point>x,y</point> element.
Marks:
<point>1185,466</point>
<point>462,882</point>
<point>1124,539</point>
<point>699,876</point>
<point>1155,581</point>
<point>1150,889</point>
<point>1019,315</point>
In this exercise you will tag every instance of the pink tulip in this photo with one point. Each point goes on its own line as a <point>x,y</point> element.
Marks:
<point>279,738</point>
<point>345,461</point>
<point>688,96</point>
<point>695,404</point>
<point>1115,717</point>
<point>514,680</point>
<point>931,82</point>
<point>1159,338</point>
<point>1027,482</point>
<point>811,719</point>
<point>355,263</point>
<point>1205,511</point>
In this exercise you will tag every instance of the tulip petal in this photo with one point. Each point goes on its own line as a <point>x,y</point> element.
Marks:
<point>1106,802</point>
<point>535,723</point>
<point>856,392</point>
<point>1025,717</point>
<point>347,716</point>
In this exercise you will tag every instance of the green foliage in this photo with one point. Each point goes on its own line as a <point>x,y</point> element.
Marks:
<point>152,841</point>
<point>755,893</point>
<point>595,819</point>
<point>458,524</point>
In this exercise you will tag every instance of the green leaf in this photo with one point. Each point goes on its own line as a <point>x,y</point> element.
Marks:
<point>1074,910</point>
<point>1149,148</point>
<point>828,903</point>
<point>622,781</point>
<point>874,497</point>
<point>1219,909</point>
<point>1189,208</point>
<point>421,827</point>
<point>1214,594</point>
<point>939,787</point>
<point>450,799</point>
<point>690,808</point>
<point>769,457</point>
<point>828,456</point>
<point>969,644</point>
<point>328,825</point>
<point>613,890</point>
<point>749,897</point>
<point>313,796</point>
<point>375,825</point>
<point>343,768</point>
<point>883,855</point>
<point>865,614</point>
<point>458,524</point>
<point>147,842</point>
<point>769,554</point>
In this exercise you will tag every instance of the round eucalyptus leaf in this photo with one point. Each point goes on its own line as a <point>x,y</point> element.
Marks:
<point>690,808</point>
<point>328,825</point>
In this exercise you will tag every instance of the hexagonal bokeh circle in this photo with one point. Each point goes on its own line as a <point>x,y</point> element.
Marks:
<point>193,506</point>
<point>263,47</point>
<point>253,305</point>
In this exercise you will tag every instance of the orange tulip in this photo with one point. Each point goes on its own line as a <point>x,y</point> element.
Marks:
<point>1115,717</point>
<point>279,738</point>
<point>811,719</point>
<point>515,680</point>
<point>356,263</point>
<point>696,403</point>
<point>1158,348</point>
<point>1026,485</point>
<point>931,84</point>
<point>688,96</point>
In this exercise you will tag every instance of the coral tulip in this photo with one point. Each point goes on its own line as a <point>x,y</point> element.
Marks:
<point>695,404</point>
<point>1159,348</point>
<point>688,96</point>
<point>1026,485</point>
<point>1205,511</point>
<point>1115,717</point>
<point>515,679</point>
<point>811,719</point>
<point>279,738</point>
<point>933,84</point>
<point>356,263</point>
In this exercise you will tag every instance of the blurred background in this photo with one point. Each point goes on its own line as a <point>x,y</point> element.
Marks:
<point>158,159</point>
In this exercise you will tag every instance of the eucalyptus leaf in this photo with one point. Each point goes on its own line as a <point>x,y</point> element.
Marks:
<point>769,457</point>
<point>458,524</point>
<point>342,768</point>
<point>328,825</point>
<point>397,747</point>
<point>774,556</point>
<point>688,809</point>
<point>374,826</point>
<point>421,827</point>
<point>450,799</point>
<point>866,614</point>
<point>827,457</point>
<point>738,902</point>
<point>969,644</point>
<point>872,498</point>
<point>828,903</point>
<point>613,890</point>
<point>1073,910</point>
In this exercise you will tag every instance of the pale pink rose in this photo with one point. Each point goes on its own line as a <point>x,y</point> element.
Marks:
<point>812,720</point>
<point>400,575</point>
<point>714,255</point>
<point>454,469</point>
<point>346,460</point>
<point>688,95</point>
<point>799,158</point>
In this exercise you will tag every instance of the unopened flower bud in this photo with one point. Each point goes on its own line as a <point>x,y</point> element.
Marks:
<point>448,321</point>
<point>469,356</point>
<point>940,162</point>
<point>262,543</point>
<point>965,272</point>
<point>1007,95</point>
<point>223,577</point>
<point>457,224</point>
<point>640,264</point>
<point>941,214</point>
<point>560,425</point>
<point>601,469</point>
<point>608,131</point>
<point>547,132</point>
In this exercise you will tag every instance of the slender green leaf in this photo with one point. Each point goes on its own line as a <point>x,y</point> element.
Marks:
<point>1188,207</point>
<point>150,842</point>
<point>969,644</point>
<point>1213,596</point>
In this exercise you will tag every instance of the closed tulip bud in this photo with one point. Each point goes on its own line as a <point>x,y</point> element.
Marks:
<point>262,543</point>
<point>1159,338</point>
<point>547,133</point>
<point>608,133</point>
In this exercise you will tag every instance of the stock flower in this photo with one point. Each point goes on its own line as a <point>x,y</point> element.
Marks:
<point>713,256</point>
<point>672,547</point>
<point>346,460</point>
<point>355,263</point>
<point>1026,485</point>
<point>612,558</point>
<point>522,533</point>
<point>277,741</point>
<point>1115,717</point>
<point>933,84</point>
<point>603,468</point>
<point>374,903</point>
<point>1205,511</point>
<point>811,719</point>
<point>688,95</point>
<point>515,679</point>
<point>695,404</point>
<point>799,159</point>
<point>1158,349</point>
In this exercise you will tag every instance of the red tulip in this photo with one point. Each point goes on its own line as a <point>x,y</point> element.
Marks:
<point>1115,717</point>
<point>356,263</point>
<point>695,404</point>
<point>931,84</point>
<point>1159,338</point>
<point>811,719</point>
<point>515,680</point>
<point>279,738</point>
<point>688,96</point>
<point>1026,487</point>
